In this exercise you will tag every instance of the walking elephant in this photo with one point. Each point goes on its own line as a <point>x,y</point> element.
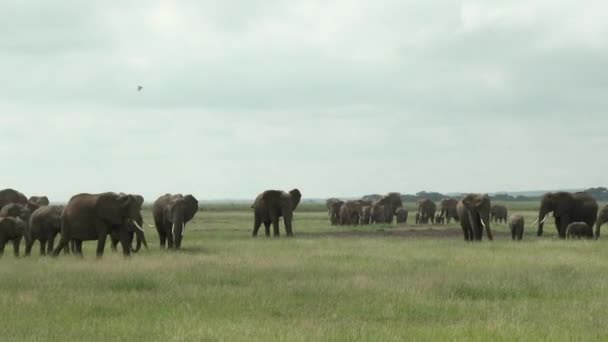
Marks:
<point>44,226</point>
<point>270,206</point>
<point>334,212</point>
<point>377,213</point>
<point>401,215</point>
<point>567,208</point>
<point>11,196</point>
<point>474,215</point>
<point>389,203</point>
<point>140,235</point>
<point>171,214</point>
<point>448,209</point>
<point>89,217</point>
<point>366,214</point>
<point>516,225</point>
<point>11,229</point>
<point>499,213</point>
<point>426,211</point>
<point>579,230</point>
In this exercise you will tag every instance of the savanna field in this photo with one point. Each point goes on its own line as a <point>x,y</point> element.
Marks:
<point>399,282</point>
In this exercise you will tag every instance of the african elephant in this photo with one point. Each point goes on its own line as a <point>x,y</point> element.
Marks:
<point>11,196</point>
<point>171,213</point>
<point>579,230</point>
<point>474,214</point>
<point>270,205</point>
<point>602,218</point>
<point>44,225</point>
<point>389,202</point>
<point>39,201</point>
<point>499,213</point>
<point>16,210</point>
<point>567,208</point>
<point>448,209</point>
<point>401,215</point>
<point>426,211</point>
<point>516,225</point>
<point>350,213</point>
<point>366,214</point>
<point>140,236</point>
<point>377,214</point>
<point>329,204</point>
<point>11,229</point>
<point>334,212</point>
<point>93,216</point>
<point>439,219</point>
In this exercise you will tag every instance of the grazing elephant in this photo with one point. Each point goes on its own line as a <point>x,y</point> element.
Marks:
<point>270,206</point>
<point>366,214</point>
<point>377,214</point>
<point>44,225</point>
<point>602,218</point>
<point>567,208</point>
<point>89,217</point>
<point>401,215</point>
<point>11,196</point>
<point>133,231</point>
<point>499,213</point>
<point>474,214</point>
<point>389,203</point>
<point>171,213</point>
<point>11,229</point>
<point>426,211</point>
<point>439,219</point>
<point>516,225</point>
<point>448,209</point>
<point>334,212</point>
<point>579,230</point>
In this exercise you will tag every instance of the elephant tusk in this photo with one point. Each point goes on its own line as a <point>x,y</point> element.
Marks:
<point>533,223</point>
<point>138,226</point>
<point>183,229</point>
<point>482,223</point>
<point>173,229</point>
<point>150,226</point>
<point>543,221</point>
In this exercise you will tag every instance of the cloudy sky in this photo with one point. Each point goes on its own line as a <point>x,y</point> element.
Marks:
<point>342,98</point>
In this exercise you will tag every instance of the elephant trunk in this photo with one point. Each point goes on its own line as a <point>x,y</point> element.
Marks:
<point>542,214</point>
<point>600,221</point>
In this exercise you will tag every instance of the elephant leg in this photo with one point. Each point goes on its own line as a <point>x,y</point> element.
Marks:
<point>50,244</point>
<point>28,246</point>
<point>63,243</point>
<point>114,243</point>
<point>101,245</point>
<point>162,237</point>
<point>16,245</point>
<point>42,248</point>
<point>275,226</point>
<point>287,219</point>
<point>267,228</point>
<point>257,222</point>
<point>125,242</point>
<point>77,247</point>
<point>170,244</point>
<point>2,244</point>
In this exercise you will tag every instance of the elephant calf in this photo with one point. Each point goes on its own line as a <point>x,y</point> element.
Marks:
<point>516,224</point>
<point>44,226</point>
<point>579,230</point>
<point>439,219</point>
<point>401,215</point>
<point>11,229</point>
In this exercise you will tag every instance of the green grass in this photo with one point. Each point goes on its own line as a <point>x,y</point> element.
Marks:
<point>226,286</point>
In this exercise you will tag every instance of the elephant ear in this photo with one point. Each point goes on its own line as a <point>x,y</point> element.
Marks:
<point>296,196</point>
<point>191,207</point>
<point>112,207</point>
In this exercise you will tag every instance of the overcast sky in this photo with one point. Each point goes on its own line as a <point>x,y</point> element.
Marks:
<point>337,98</point>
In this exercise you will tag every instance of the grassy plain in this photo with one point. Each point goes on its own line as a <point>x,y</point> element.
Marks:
<point>328,283</point>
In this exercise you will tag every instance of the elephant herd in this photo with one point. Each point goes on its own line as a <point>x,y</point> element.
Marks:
<point>88,217</point>
<point>363,212</point>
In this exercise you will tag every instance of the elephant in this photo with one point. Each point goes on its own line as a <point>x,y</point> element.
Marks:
<point>12,196</point>
<point>171,214</point>
<point>93,216</point>
<point>349,213</point>
<point>474,214</point>
<point>329,204</point>
<point>448,209</point>
<point>44,225</point>
<point>516,225</point>
<point>270,205</point>
<point>426,211</point>
<point>11,229</point>
<point>401,215</point>
<point>132,228</point>
<point>567,208</point>
<point>366,214</point>
<point>389,203</point>
<point>38,201</point>
<point>439,219</point>
<point>579,230</point>
<point>499,213</point>
<point>16,210</point>
<point>377,214</point>
<point>602,218</point>
<point>334,212</point>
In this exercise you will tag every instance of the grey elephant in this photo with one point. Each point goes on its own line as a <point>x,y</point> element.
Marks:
<point>366,214</point>
<point>352,211</point>
<point>567,208</point>
<point>89,217</point>
<point>579,230</point>
<point>439,219</point>
<point>329,204</point>
<point>448,209</point>
<point>171,214</point>
<point>388,204</point>
<point>334,212</point>
<point>426,211</point>
<point>38,201</point>
<point>499,213</point>
<point>474,215</point>
<point>12,196</point>
<point>11,229</point>
<point>270,206</point>
<point>44,226</point>
<point>516,225</point>
<point>602,218</point>
<point>139,235</point>
<point>401,215</point>
<point>377,213</point>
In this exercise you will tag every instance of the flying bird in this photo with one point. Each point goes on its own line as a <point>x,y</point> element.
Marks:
<point>139,88</point>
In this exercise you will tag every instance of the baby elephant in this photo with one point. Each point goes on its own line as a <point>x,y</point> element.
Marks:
<point>439,219</point>
<point>579,230</point>
<point>401,214</point>
<point>516,224</point>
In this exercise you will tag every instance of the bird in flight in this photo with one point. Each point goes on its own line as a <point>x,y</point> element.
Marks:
<point>139,88</point>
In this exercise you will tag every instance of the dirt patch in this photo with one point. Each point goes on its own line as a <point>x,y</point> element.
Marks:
<point>408,233</point>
